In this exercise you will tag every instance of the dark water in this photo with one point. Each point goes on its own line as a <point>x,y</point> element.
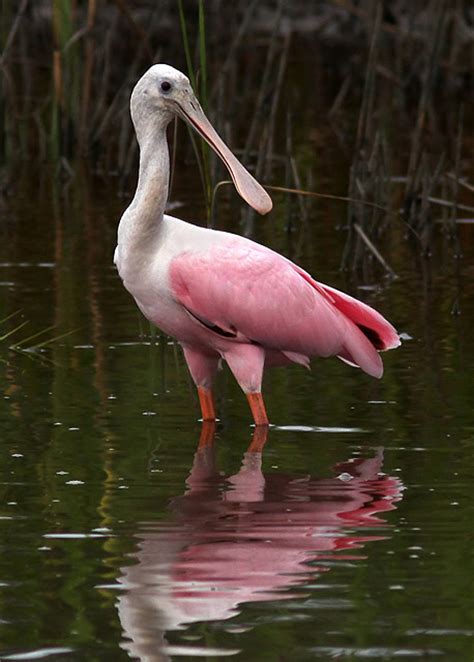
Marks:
<point>129,531</point>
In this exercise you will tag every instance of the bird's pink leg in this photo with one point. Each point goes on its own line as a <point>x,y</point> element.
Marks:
<point>203,367</point>
<point>246,363</point>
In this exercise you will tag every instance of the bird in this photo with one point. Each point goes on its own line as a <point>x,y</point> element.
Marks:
<point>222,296</point>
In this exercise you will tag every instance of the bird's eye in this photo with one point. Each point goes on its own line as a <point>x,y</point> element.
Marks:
<point>165,86</point>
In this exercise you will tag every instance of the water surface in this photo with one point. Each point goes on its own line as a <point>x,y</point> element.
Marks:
<point>130,531</point>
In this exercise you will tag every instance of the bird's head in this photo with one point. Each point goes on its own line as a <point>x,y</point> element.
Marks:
<point>163,92</point>
<point>159,94</point>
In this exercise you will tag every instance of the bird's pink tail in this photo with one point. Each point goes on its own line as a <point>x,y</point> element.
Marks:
<point>381,333</point>
<point>368,334</point>
<point>372,324</point>
<point>371,333</point>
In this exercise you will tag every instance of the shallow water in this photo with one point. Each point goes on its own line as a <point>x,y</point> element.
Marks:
<point>130,531</point>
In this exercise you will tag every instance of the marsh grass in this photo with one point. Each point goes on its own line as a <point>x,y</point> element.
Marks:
<point>430,160</point>
<point>67,70</point>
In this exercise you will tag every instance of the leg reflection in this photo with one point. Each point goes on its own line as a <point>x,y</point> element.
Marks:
<point>208,431</point>
<point>259,439</point>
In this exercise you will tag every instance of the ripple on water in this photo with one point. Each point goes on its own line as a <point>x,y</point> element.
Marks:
<point>378,652</point>
<point>201,651</point>
<point>39,653</point>
<point>318,428</point>
<point>76,536</point>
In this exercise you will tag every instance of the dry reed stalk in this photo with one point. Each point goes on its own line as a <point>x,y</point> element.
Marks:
<point>84,120</point>
<point>275,104</point>
<point>340,96</point>
<point>461,182</point>
<point>297,181</point>
<point>260,105</point>
<point>374,250</point>
<point>107,63</point>
<point>288,171</point>
<point>142,35</point>
<point>265,129</point>
<point>431,69</point>
<point>229,62</point>
<point>453,230</point>
<point>365,15</point>
<point>359,173</point>
<point>58,78</point>
<point>292,179</point>
<point>13,31</point>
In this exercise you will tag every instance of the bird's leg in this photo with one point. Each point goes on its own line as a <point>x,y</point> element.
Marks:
<point>203,367</point>
<point>257,407</point>
<point>246,363</point>
<point>206,400</point>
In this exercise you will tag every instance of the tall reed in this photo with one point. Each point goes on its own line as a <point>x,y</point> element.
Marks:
<point>198,77</point>
<point>66,79</point>
<point>67,69</point>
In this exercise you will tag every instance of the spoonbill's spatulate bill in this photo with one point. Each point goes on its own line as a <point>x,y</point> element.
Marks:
<point>220,295</point>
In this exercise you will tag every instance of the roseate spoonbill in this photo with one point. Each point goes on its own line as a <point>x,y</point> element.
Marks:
<point>220,295</point>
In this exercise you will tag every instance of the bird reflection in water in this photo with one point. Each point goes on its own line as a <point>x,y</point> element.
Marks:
<point>245,538</point>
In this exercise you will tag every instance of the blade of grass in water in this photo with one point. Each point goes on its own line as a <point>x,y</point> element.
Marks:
<point>18,346</point>
<point>51,340</point>
<point>13,331</point>
<point>9,317</point>
<point>33,336</point>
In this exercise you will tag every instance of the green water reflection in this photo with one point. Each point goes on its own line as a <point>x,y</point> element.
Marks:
<point>110,517</point>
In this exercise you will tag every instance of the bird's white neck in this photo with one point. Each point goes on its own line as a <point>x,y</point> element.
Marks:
<point>140,225</point>
<point>153,176</point>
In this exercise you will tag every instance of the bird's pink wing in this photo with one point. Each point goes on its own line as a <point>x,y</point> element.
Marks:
<point>252,294</point>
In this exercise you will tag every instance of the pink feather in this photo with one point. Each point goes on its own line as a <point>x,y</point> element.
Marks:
<point>254,295</point>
